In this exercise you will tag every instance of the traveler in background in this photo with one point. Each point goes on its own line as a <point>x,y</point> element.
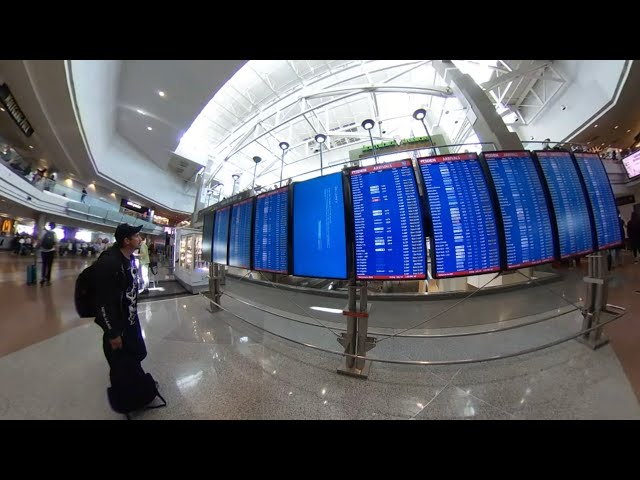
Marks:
<point>633,232</point>
<point>117,297</point>
<point>144,264</point>
<point>62,248</point>
<point>47,251</point>
<point>50,182</point>
<point>28,244</point>
<point>618,250</point>
<point>98,247</point>
<point>84,195</point>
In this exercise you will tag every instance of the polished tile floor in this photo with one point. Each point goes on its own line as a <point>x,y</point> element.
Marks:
<point>216,366</point>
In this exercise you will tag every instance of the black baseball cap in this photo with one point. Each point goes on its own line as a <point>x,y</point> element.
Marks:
<point>125,230</point>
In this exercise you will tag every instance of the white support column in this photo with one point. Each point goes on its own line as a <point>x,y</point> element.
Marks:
<point>487,124</point>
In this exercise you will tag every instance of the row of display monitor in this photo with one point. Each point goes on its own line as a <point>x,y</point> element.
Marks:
<point>494,212</point>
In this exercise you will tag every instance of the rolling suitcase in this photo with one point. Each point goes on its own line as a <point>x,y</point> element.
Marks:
<point>31,274</point>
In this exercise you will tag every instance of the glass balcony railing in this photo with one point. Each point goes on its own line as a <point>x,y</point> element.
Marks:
<point>89,208</point>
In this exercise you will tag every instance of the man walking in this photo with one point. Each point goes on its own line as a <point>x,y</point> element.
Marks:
<point>117,297</point>
<point>47,251</point>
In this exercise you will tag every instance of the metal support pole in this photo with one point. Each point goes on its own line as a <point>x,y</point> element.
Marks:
<point>373,147</point>
<point>426,130</point>
<point>255,168</point>
<point>321,165</point>
<point>595,300</point>
<point>364,343</point>
<point>355,341</point>
<point>352,326</point>
<point>281,167</point>
<point>215,289</point>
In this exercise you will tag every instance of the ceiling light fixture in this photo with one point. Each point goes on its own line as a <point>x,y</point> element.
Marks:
<point>161,93</point>
<point>30,146</point>
<point>149,128</point>
<point>320,139</point>
<point>2,109</point>
<point>284,146</point>
<point>615,127</point>
<point>419,114</point>
<point>256,160</point>
<point>140,112</point>
<point>595,126</point>
<point>629,131</point>
<point>368,125</point>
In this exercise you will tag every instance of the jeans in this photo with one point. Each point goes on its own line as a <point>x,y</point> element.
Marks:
<point>132,341</point>
<point>47,263</point>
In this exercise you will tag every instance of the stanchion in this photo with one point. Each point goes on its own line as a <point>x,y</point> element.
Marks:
<point>355,341</point>
<point>216,280</point>
<point>597,285</point>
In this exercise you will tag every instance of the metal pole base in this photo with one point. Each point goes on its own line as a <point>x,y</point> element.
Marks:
<point>593,344</point>
<point>362,374</point>
<point>213,308</point>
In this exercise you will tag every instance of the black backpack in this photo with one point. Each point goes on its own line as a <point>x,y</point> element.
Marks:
<point>131,388</point>
<point>85,292</point>
<point>48,240</point>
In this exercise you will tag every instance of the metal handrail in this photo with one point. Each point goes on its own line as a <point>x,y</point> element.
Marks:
<point>428,362</point>
<point>418,335</point>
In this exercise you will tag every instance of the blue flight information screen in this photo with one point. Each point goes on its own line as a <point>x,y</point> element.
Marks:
<point>389,237</point>
<point>465,234</point>
<point>221,235</point>
<point>240,237</point>
<point>523,205</point>
<point>603,202</point>
<point>319,236</point>
<point>569,203</point>
<point>270,234</point>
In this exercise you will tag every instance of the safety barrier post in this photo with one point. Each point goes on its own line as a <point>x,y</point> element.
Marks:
<point>597,285</point>
<point>355,341</point>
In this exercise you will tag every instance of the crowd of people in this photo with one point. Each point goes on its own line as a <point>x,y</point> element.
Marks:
<point>24,244</point>
<point>84,249</point>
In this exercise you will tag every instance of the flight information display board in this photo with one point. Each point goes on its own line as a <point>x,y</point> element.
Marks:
<point>465,234</point>
<point>240,235</point>
<point>221,235</point>
<point>319,236</point>
<point>207,236</point>
<point>271,232</point>
<point>526,218</point>
<point>632,164</point>
<point>569,202</point>
<point>389,236</point>
<point>603,202</point>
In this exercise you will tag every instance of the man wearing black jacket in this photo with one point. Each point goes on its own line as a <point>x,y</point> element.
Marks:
<point>117,296</point>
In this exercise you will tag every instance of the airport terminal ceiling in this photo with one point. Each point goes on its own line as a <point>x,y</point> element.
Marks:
<point>221,114</point>
<point>269,102</point>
